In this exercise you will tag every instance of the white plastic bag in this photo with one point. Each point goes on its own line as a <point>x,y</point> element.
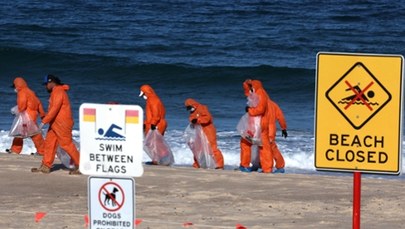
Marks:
<point>65,158</point>
<point>198,143</point>
<point>23,126</point>
<point>157,148</point>
<point>249,128</point>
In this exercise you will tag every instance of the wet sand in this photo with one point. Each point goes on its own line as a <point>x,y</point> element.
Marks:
<point>178,197</point>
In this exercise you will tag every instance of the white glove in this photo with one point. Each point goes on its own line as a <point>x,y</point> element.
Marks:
<point>14,110</point>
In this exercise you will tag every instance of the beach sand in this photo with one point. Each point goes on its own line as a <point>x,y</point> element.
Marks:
<point>178,197</point>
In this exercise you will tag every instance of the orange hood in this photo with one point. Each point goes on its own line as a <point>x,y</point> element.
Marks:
<point>191,102</point>
<point>148,90</point>
<point>256,85</point>
<point>65,87</point>
<point>19,83</point>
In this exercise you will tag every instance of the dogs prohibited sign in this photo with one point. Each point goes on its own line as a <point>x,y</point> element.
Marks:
<point>111,202</point>
<point>358,112</point>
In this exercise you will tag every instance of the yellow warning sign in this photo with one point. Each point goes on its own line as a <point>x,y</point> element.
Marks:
<point>358,116</point>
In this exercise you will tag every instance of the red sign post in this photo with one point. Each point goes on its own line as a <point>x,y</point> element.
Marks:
<point>356,199</point>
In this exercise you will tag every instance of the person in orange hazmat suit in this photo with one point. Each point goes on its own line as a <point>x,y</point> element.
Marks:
<point>29,102</point>
<point>154,110</point>
<point>276,115</point>
<point>199,114</point>
<point>263,110</point>
<point>60,120</point>
<point>155,113</point>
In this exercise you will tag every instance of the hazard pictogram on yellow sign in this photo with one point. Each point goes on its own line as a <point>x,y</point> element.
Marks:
<point>358,95</point>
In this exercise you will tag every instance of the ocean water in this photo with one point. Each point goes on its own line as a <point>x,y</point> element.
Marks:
<point>105,50</point>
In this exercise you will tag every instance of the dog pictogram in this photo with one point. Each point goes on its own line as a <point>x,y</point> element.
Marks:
<point>110,198</point>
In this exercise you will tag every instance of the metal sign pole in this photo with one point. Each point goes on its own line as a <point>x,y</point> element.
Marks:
<point>356,199</point>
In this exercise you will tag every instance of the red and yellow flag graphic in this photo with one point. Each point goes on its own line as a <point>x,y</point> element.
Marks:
<point>132,116</point>
<point>89,114</point>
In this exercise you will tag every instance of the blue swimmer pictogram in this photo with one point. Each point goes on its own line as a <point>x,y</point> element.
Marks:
<point>111,134</point>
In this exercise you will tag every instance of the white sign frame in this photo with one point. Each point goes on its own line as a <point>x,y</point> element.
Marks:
<point>101,193</point>
<point>111,140</point>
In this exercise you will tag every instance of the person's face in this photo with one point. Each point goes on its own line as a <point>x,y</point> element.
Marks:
<point>49,86</point>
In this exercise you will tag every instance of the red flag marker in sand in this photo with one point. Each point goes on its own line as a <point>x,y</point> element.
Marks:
<point>39,216</point>
<point>187,224</point>
<point>86,220</point>
<point>138,221</point>
<point>240,226</point>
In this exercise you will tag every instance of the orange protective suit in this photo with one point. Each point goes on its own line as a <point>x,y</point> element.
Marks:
<point>155,111</point>
<point>276,114</point>
<point>263,110</point>
<point>61,122</point>
<point>29,102</point>
<point>203,117</point>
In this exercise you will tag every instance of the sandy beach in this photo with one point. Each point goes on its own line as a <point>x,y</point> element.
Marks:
<point>177,197</point>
